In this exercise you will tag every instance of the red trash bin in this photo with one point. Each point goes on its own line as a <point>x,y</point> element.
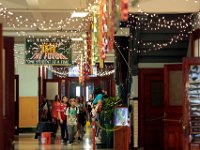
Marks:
<point>46,137</point>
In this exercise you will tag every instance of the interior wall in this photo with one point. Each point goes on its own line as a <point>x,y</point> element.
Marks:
<point>28,95</point>
<point>28,112</point>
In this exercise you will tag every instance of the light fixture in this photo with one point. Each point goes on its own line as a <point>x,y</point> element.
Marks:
<point>79,14</point>
<point>77,39</point>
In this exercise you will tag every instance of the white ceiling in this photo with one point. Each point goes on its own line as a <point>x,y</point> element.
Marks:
<point>54,11</point>
<point>165,6</point>
<point>44,13</point>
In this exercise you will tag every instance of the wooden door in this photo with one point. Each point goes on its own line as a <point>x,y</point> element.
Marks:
<point>173,132</point>
<point>151,109</point>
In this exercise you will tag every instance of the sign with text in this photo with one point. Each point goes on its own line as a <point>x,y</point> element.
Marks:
<point>48,51</point>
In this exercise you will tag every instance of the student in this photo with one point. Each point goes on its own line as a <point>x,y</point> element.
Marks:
<point>46,110</point>
<point>97,103</point>
<point>89,108</point>
<point>97,107</point>
<point>72,113</point>
<point>63,119</point>
<point>81,117</point>
<point>54,112</point>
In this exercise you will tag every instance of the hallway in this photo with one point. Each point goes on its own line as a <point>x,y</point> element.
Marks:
<point>27,142</point>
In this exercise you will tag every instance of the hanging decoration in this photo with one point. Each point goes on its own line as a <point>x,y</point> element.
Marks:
<point>63,72</point>
<point>110,19</point>
<point>100,33</point>
<point>94,27</point>
<point>111,24</point>
<point>80,66</point>
<point>124,10</point>
<point>89,52</point>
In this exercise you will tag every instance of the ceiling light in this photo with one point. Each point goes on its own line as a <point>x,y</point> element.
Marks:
<point>77,39</point>
<point>79,14</point>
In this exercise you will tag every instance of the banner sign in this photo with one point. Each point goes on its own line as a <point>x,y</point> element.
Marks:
<point>48,51</point>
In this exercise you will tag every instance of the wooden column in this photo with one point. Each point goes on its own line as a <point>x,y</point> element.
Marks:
<point>9,118</point>
<point>6,92</point>
<point>1,90</point>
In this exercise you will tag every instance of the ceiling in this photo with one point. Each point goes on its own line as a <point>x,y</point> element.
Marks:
<point>51,17</point>
<point>45,18</point>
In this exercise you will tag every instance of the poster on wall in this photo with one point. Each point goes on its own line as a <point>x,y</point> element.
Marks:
<point>48,51</point>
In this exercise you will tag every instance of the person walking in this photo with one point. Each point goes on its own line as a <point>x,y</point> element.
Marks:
<point>63,119</point>
<point>72,113</point>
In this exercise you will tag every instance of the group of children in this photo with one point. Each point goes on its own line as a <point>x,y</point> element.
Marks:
<point>71,115</point>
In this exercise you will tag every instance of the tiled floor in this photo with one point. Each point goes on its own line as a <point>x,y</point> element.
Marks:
<point>27,142</point>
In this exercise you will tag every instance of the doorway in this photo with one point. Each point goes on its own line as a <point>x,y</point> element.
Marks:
<point>160,108</point>
<point>151,109</point>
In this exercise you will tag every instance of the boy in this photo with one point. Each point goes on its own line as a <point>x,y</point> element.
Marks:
<point>72,113</point>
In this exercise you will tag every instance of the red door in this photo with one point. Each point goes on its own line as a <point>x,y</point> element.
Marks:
<point>151,109</point>
<point>173,132</point>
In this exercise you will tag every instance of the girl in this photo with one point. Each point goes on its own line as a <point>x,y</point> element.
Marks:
<point>63,119</point>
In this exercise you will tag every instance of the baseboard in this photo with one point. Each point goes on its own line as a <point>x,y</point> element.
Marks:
<point>27,130</point>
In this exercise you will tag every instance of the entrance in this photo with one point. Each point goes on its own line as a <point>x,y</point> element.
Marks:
<point>160,108</point>
<point>71,87</point>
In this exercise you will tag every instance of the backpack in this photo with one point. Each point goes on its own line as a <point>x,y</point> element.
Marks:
<point>75,108</point>
<point>72,120</point>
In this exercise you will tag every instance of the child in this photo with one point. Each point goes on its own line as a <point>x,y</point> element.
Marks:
<point>62,118</point>
<point>72,113</point>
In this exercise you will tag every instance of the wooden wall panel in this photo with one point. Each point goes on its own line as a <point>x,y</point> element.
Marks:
<point>121,138</point>
<point>28,115</point>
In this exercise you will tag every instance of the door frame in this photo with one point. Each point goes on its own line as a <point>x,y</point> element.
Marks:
<point>16,104</point>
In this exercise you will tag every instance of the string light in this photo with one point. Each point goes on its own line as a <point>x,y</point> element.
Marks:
<point>145,21</point>
<point>20,23</point>
<point>63,73</point>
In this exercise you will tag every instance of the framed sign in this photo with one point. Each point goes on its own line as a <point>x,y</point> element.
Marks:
<point>48,51</point>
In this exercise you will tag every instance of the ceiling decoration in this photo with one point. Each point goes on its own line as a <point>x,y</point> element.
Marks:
<point>50,18</point>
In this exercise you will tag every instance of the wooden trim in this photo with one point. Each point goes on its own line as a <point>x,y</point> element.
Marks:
<point>195,35</point>
<point>9,121</point>
<point>173,67</point>
<point>1,91</point>
<point>27,130</point>
<point>17,105</point>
